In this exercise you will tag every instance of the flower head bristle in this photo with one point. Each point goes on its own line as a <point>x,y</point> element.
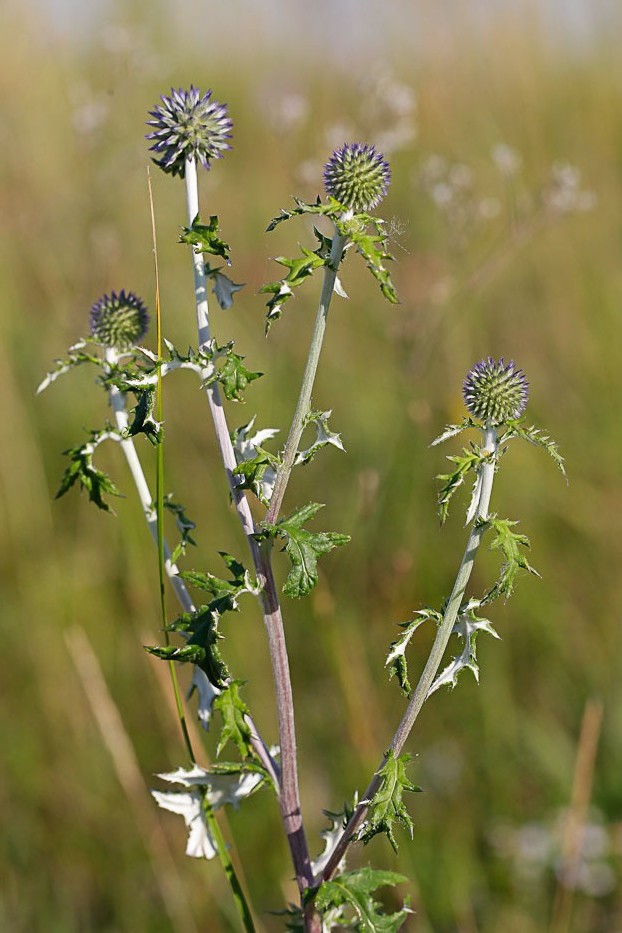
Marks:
<point>495,391</point>
<point>119,321</point>
<point>357,176</point>
<point>188,125</point>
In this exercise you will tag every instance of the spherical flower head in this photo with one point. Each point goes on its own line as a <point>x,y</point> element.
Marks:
<point>119,321</point>
<point>357,176</point>
<point>495,391</point>
<point>188,125</point>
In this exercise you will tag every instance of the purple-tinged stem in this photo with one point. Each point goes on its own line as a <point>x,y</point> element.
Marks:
<point>289,797</point>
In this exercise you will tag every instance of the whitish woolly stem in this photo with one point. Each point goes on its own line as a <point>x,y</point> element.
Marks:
<point>304,398</point>
<point>421,693</point>
<point>117,403</point>
<point>289,797</point>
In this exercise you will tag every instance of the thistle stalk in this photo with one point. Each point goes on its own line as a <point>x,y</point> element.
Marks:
<point>117,403</point>
<point>304,398</point>
<point>289,797</point>
<point>478,527</point>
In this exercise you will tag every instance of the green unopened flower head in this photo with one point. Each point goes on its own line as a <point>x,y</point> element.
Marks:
<point>188,125</point>
<point>119,321</point>
<point>357,176</point>
<point>495,391</point>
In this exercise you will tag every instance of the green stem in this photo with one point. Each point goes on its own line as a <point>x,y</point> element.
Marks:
<point>304,398</point>
<point>225,860</point>
<point>422,690</point>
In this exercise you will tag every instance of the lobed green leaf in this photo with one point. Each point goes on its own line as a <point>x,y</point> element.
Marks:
<point>512,547</point>
<point>205,239</point>
<point>396,658</point>
<point>234,711</point>
<point>387,805</point>
<point>82,471</point>
<point>304,548</point>
<point>355,890</point>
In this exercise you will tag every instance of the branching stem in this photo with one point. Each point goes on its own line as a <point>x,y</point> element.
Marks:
<point>435,658</point>
<point>289,797</point>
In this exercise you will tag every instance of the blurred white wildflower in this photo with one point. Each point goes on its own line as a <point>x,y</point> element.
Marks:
<point>337,133</point>
<point>90,111</point>
<point>536,850</point>
<point>309,172</point>
<point>509,161</point>
<point>460,175</point>
<point>564,194</point>
<point>119,40</point>
<point>285,110</point>
<point>442,193</point>
<point>390,109</point>
<point>489,208</point>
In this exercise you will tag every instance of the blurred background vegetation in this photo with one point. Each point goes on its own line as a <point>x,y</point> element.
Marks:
<point>504,131</point>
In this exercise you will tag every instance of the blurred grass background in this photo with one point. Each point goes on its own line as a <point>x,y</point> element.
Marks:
<point>485,266</point>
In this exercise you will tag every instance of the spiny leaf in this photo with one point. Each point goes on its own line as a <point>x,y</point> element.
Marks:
<point>511,546</point>
<point>204,238</point>
<point>258,474</point>
<point>467,626</point>
<point>304,548</point>
<point>451,430</point>
<point>231,374</point>
<point>225,592</point>
<point>144,421</point>
<point>82,471</point>
<point>224,287</point>
<point>537,437</point>
<point>373,249</point>
<point>396,658</point>
<point>233,710</point>
<point>201,627</point>
<point>331,208</point>
<point>76,357</point>
<point>465,462</point>
<point>184,524</point>
<point>387,805</point>
<point>323,436</point>
<point>256,466</point>
<point>193,654</point>
<point>355,890</point>
<point>300,269</point>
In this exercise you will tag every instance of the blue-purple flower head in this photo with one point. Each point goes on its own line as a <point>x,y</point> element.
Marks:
<point>119,321</point>
<point>357,176</point>
<point>495,391</point>
<point>187,125</point>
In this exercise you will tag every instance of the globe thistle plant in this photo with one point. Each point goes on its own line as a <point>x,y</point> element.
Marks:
<point>187,125</point>
<point>189,129</point>
<point>495,391</point>
<point>119,321</point>
<point>357,176</point>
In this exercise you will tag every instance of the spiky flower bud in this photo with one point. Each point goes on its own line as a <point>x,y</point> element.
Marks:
<point>357,176</point>
<point>495,391</point>
<point>188,124</point>
<point>119,321</point>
